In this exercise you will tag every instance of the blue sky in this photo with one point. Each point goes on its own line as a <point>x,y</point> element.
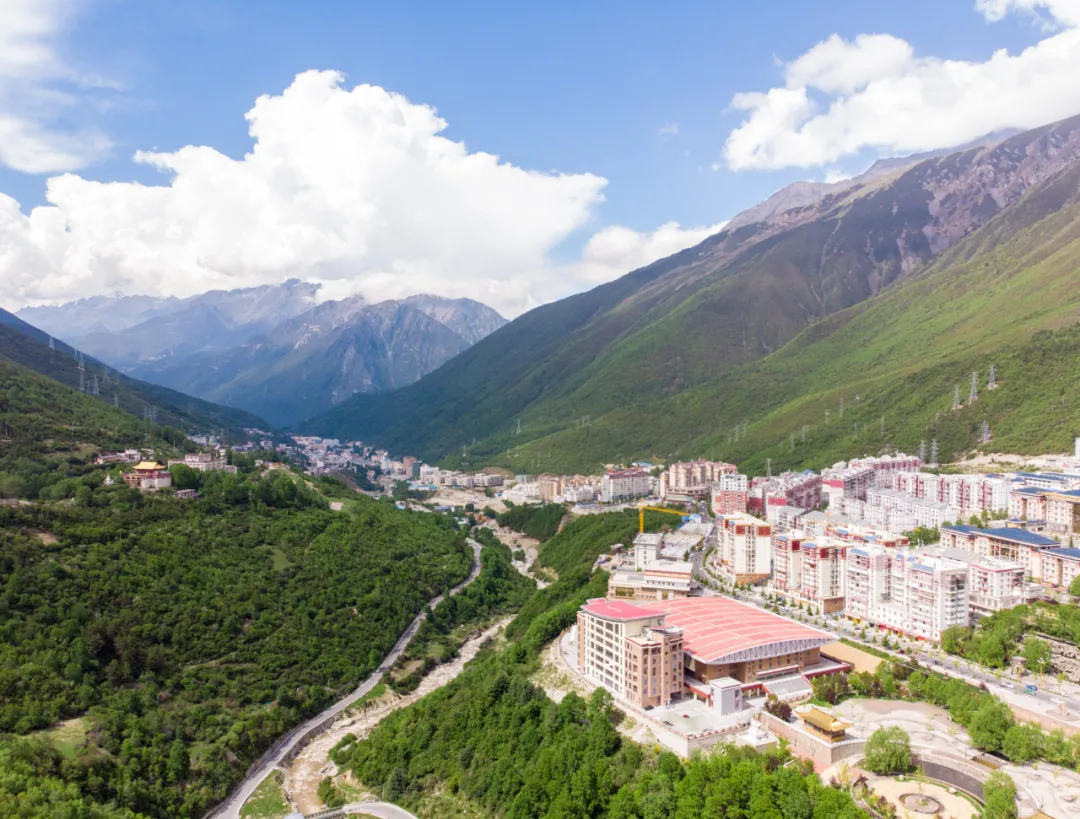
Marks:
<point>572,88</point>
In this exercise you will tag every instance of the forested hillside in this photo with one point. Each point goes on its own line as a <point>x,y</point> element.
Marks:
<point>662,362</point>
<point>24,344</point>
<point>493,739</point>
<point>49,435</point>
<point>151,648</point>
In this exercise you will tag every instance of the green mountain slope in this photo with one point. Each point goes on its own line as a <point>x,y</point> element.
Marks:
<point>648,349</point>
<point>1007,296</point>
<point>49,434</point>
<point>24,344</point>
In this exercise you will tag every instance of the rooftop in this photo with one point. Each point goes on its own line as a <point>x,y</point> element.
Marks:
<point>619,610</point>
<point>1065,552</point>
<point>720,629</point>
<point>823,720</point>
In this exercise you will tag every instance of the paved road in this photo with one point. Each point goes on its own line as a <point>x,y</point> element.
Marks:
<point>383,809</point>
<point>230,808</point>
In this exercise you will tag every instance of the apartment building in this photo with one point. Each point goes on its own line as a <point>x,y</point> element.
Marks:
<point>922,511</point>
<point>204,462</point>
<point>810,571</point>
<point>692,478</point>
<point>729,493</point>
<point>625,484</point>
<point>802,489</point>
<point>843,481</point>
<point>1008,543</point>
<point>887,465</point>
<point>1063,512</point>
<point>655,580</point>
<point>918,594</point>
<point>1060,567</point>
<point>745,548</point>
<point>968,494</point>
<point>1028,503</point>
<point>630,651</point>
<point>993,584</point>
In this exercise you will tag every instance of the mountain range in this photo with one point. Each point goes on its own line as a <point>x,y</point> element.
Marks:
<point>885,291</point>
<point>274,350</point>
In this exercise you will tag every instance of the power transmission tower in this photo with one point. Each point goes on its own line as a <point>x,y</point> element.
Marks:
<point>52,344</point>
<point>115,400</point>
<point>736,433</point>
<point>992,381</point>
<point>518,427</point>
<point>956,397</point>
<point>973,396</point>
<point>922,451</point>
<point>745,424</point>
<point>985,432</point>
<point>804,428</point>
<point>768,467</point>
<point>933,452</point>
<point>82,380</point>
<point>94,387</point>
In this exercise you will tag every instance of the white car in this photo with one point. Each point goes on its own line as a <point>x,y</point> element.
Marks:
<point>1008,685</point>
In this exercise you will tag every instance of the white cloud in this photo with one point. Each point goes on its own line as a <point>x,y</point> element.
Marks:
<point>873,92</point>
<point>36,88</point>
<point>356,188</point>
<point>670,129</point>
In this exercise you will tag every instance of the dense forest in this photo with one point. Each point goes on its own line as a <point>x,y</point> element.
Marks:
<point>150,648</point>
<point>493,737</point>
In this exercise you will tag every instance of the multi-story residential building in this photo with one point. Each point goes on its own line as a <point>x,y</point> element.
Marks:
<point>745,548</point>
<point>628,650</point>
<point>811,571</point>
<point>887,465</point>
<point>551,487</point>
<point>786,518</point>
<point>485,480</point>
<point>923,512</point>
<point>522,493</point>
<point>729,493</point>
<point>1028,503</point>
<point>692,478</point>
<point>802,489</point>
<point>914,593</point>
<point>1058,481</point>
<point>205,462</point>
<point>655,580</point>
<point>625,484</point>
<point>968,494</point>
<point>843,481</point>
<point>1008,543</point>
<point>1060,567</point>
<point>1063,512</point>
<point>993,584</point>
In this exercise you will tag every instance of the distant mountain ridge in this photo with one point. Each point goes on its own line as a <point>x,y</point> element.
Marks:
<point>625,370</point>
<point>274,350</point>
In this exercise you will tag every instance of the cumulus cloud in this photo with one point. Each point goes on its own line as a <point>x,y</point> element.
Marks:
<point>874,92</point>
<point>670,129</point>
<point>37,88</point>
<point>356,188</point>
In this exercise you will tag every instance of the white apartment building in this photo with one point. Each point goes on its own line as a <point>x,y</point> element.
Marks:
<point>842,481</point>
<point>522,493</point>
<point>625,484</point>
<point>914,593</point>
<point>729,493</point>
<point>923,512</point>
<point>896,520</point>
<point>969,494</point>
<point>994,584</point>
<point>745,548</point>
<point>580,494</point>
<point>811,571</point>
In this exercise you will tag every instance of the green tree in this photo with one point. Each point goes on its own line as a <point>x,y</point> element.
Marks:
<point>954,638</point>
<point>1074,587</point>
<point>395,786</point>
<point>1023,743</point>
<point>989,724</point>
<point>888,750</point>
<point>179,762</point>
<point>999,795</point>
<point>1037,654</point>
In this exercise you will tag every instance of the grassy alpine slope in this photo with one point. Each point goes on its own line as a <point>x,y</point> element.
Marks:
<point>1007,296</point>
<point>666,359</point>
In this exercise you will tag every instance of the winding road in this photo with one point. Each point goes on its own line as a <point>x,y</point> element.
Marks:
<point>230,808</point>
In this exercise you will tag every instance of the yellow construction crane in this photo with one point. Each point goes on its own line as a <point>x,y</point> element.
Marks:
<point>643,509</point>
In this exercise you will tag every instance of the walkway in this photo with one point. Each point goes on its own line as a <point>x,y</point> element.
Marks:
<point>230,808</point>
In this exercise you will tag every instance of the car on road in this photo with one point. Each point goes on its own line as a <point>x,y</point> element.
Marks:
<point>1009,685</point>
